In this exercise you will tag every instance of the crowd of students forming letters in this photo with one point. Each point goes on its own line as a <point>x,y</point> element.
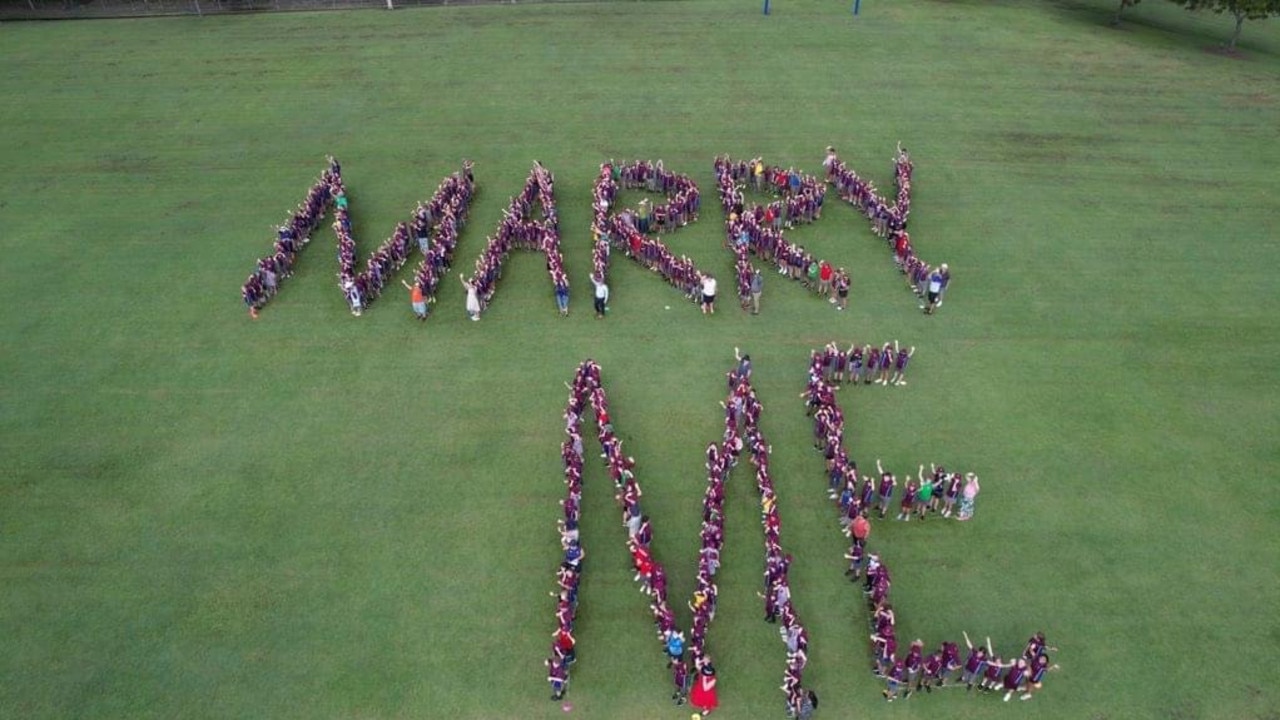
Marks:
<point>749,229</point>
<point>434,229</point>
<point>936,491</point>
<point>518,231</point>
<point>694,678</point>
<point>634,231</point>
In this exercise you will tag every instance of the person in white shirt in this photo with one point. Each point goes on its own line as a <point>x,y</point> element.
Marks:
<point>602,295</point>
<point>708,295</point>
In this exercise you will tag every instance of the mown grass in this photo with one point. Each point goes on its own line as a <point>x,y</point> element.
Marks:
<point>317,516</point>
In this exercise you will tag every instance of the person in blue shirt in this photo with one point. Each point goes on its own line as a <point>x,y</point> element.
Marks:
<point>675,648</point>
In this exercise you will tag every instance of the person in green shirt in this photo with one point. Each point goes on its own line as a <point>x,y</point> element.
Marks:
<point>925,496</point>
<point>812,272</point>
<point>341,200</point>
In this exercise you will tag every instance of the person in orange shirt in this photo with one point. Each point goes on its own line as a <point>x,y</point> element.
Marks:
<point>416,299</point>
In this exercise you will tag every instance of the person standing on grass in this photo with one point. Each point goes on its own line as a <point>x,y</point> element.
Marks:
<point>812,271</point>
<point>416,299</point>
<point>675,648</point>
<point>873,364</point>
<point>1014,677</point>
<point>680,676</point>
<point>643,215</point>
<point>705,697</point>
<point>975,665</point>
<point>1039,667</point>
<point>562,293</point>
<point>950,491</point>
<point>946,280</point>
<point>708,295</point>
<point>601,295</point>
<point>566,643</point>
<point>913,663</point>
<point>558,676</point>
<point>885,491</point>
<point>967,496</point>
<point>900,359</point>
<point>757,288</point>
<point>829,162</point>
<point>841,283</point>
<point>886,364</point>
<point>893,681</point>
<point>924,494</point>
<point>908,499</point>
<point>854,363</point>
<point>1036,647</point>
<point>933,291</point>
<point>825,275</point>
<point>473,298</point>
<point>886,647</point>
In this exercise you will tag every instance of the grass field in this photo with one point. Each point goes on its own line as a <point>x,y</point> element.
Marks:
<point>313,516</point>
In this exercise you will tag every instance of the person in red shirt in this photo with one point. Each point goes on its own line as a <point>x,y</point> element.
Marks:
<point>565,642</point>
<point>704,696</point>
<point>825,273</point>
<point>901,249</point>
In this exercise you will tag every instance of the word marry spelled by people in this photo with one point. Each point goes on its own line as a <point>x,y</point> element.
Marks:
<point>794,199</point>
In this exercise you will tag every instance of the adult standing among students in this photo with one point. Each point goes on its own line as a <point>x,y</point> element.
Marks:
<point>708,295</point>
<point>946,280</point>
<point>416,299</point>
<point>757,288</point>
<point>704,696</point>
<point>601,295</point>
<point>841,285</point>
<point>933,290</point>
<point>967,495</point>
<point>473,298</point>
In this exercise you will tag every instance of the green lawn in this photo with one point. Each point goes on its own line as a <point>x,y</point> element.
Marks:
<point>314,516</point>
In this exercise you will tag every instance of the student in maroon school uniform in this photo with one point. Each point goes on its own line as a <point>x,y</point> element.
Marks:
<point>886,364</point>
<point>991,677</point>
<point>914,662</point>
<point>1014,677</point>
<point>680,677</point>
<point>908,499</point>
<point>866,496</point>
<point>931,673</point>
<point>894,680</point>
<point>1036,646</point>
<point>974,665</point>
<point>900,359</point>
<point>950,660</point>
<point>873,364</point>
<point>885,492</point>
<point>886,646</point>
<point>558,676</point>
<point>1039,667</point>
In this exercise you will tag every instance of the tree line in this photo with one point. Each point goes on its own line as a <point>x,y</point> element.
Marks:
<point>1241,10</point>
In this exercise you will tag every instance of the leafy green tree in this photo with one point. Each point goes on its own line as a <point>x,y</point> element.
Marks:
<point>1241,9</point>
